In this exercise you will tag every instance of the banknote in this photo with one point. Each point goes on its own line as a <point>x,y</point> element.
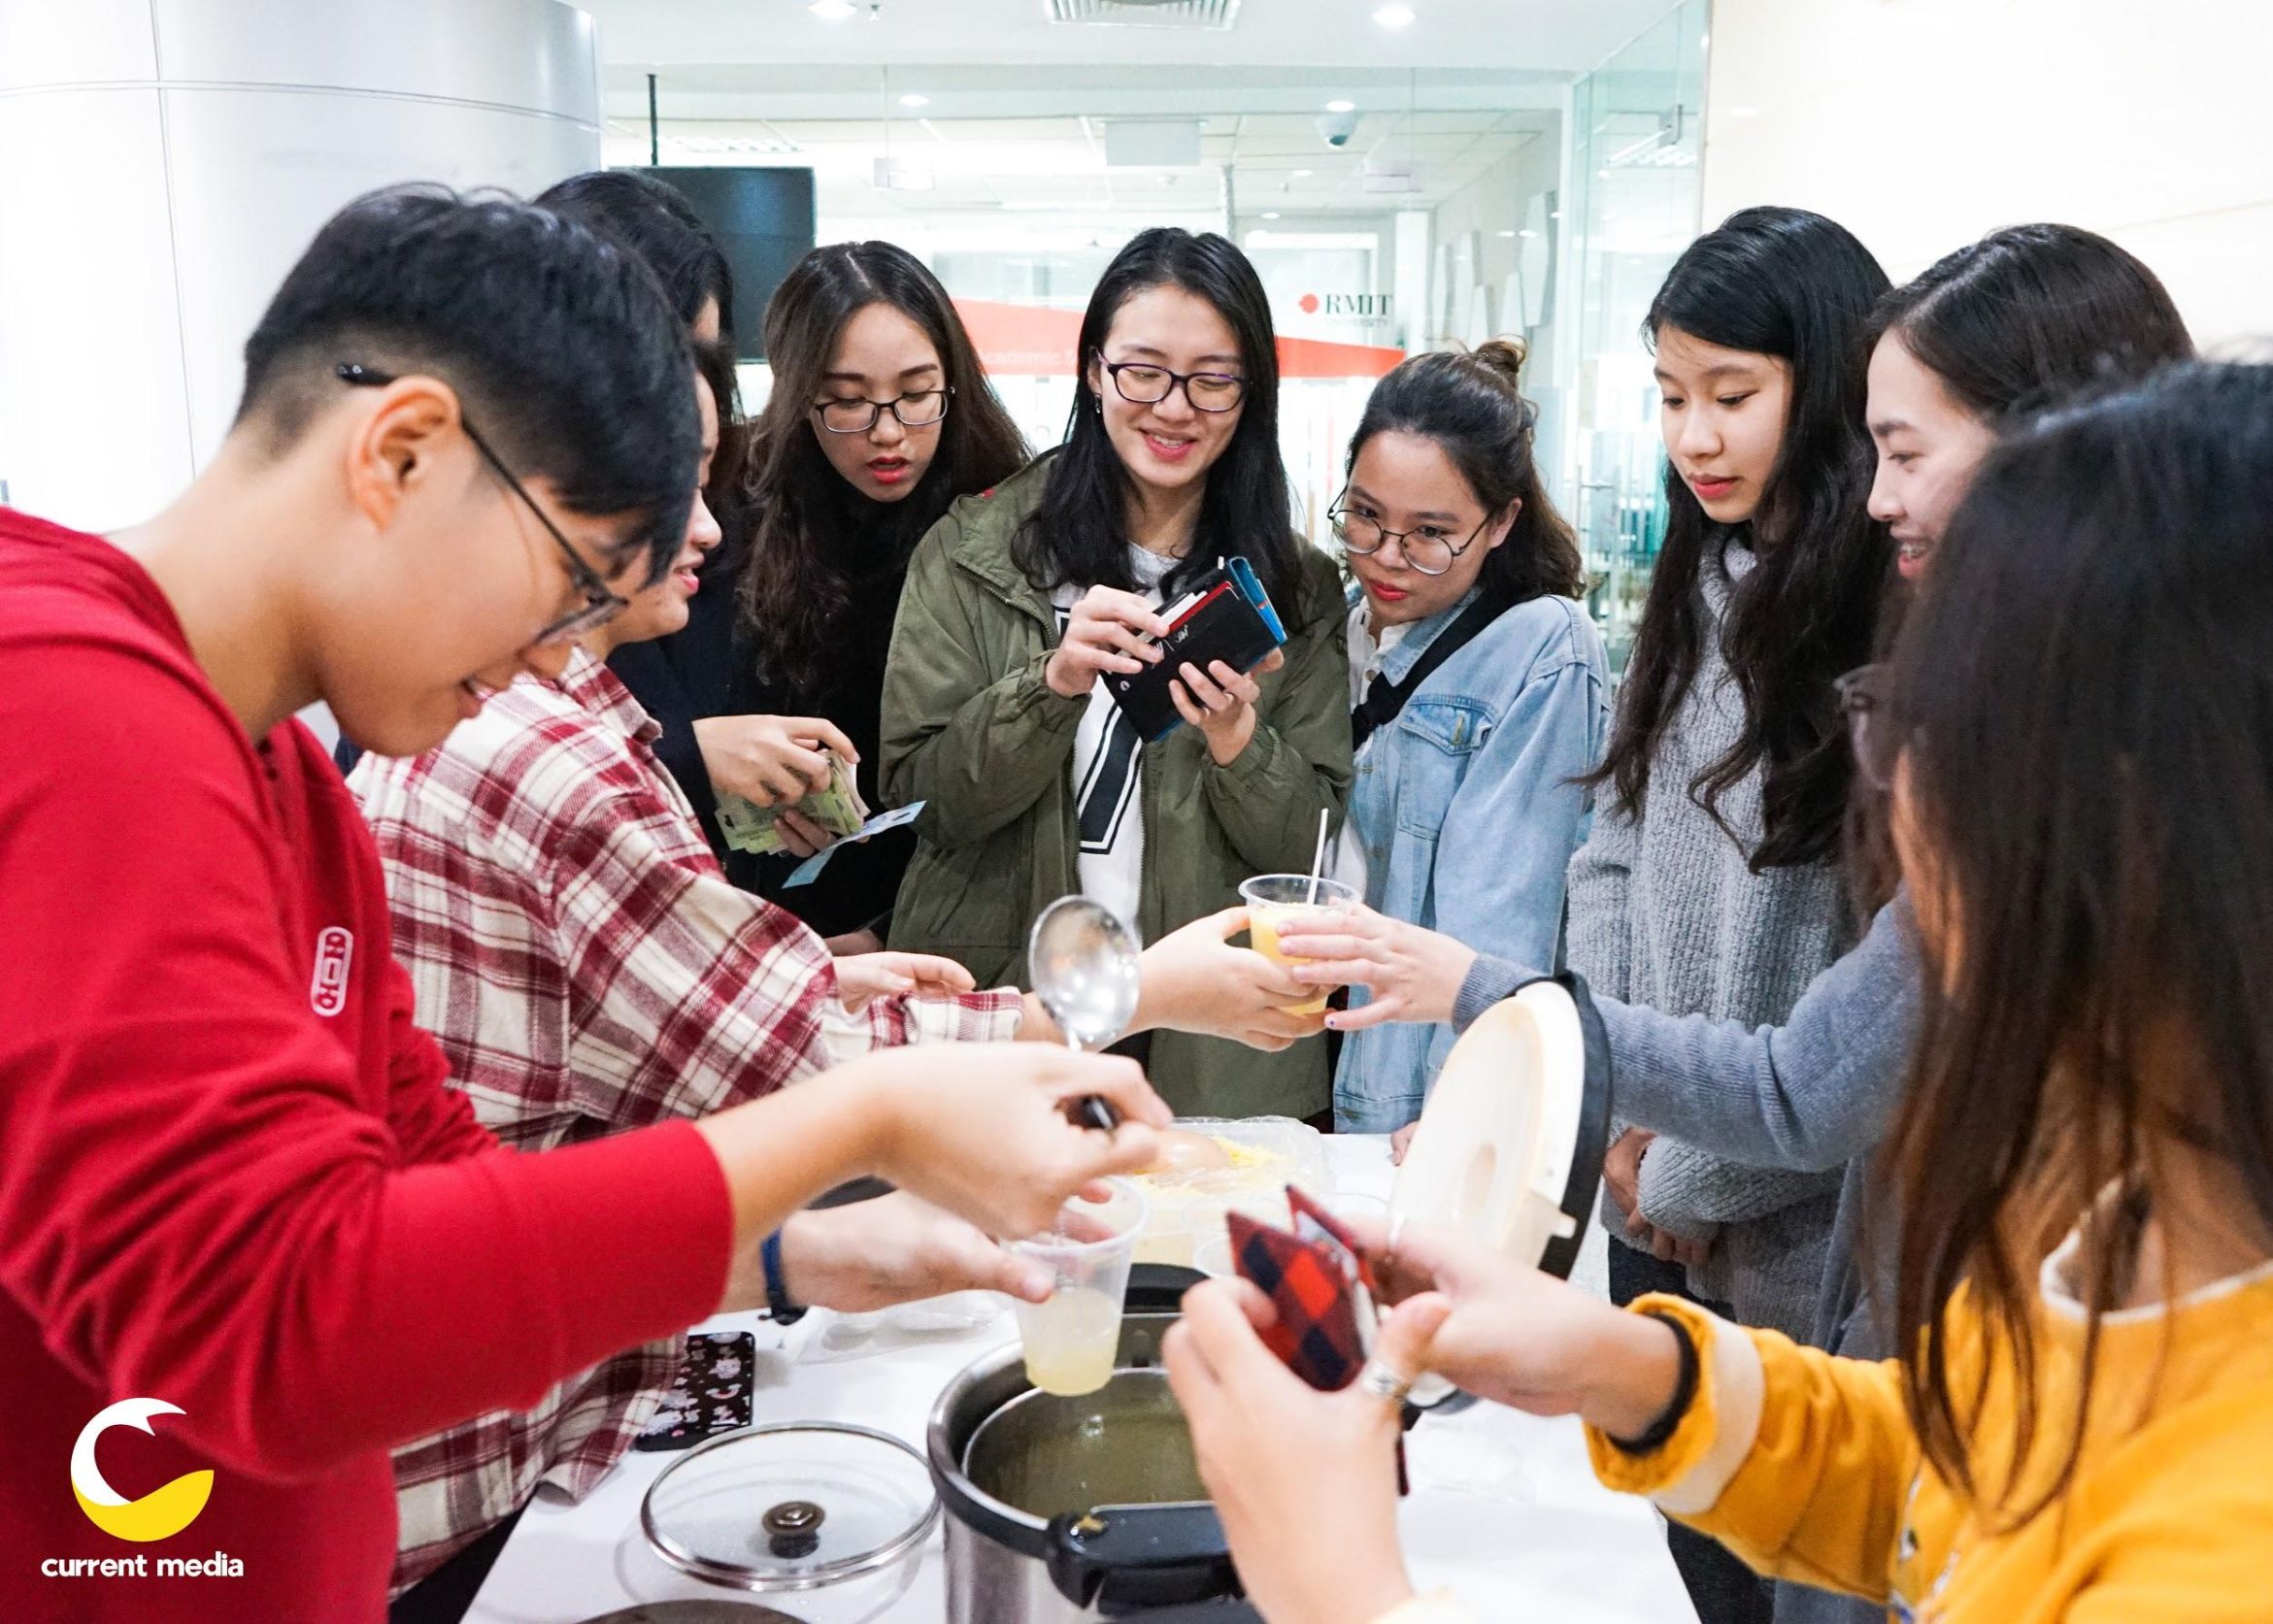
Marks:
<point>807,872</point>
<point>837,809</point>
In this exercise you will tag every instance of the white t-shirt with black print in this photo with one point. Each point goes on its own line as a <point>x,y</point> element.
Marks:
<point>1108,762</point>
<point>1366,655</point>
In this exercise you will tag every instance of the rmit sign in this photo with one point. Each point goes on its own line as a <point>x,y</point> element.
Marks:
<point>1361,307</point>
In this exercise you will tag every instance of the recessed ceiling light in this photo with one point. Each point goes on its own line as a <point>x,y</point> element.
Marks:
<point>1507,234</point>
<point>832,11</point>
<point>1341,107</point>
<point>911,99</point>
<point>1270,214</point>
<point>1526,233</point>
<point>1304,174</point>
<point>1393,17</point>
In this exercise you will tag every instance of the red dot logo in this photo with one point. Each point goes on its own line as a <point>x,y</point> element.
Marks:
<point>1308,304</point>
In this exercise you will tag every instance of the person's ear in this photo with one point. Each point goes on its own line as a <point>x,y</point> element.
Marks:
<point>396,444</point>
<point>1093,375</point>
<point>1504,525</point>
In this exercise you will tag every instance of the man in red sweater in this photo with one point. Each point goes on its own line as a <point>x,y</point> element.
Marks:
<point>231,1183</point>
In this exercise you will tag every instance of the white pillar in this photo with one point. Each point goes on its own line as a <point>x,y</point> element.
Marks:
<point>163,163</point>
<point>1410,278</point>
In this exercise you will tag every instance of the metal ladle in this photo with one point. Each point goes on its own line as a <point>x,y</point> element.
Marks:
<point>1086,968</point>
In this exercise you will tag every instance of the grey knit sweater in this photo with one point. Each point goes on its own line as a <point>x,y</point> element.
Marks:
<point>1664,912</point>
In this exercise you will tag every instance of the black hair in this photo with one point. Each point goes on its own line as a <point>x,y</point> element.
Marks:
<point>1472,406</point>
<point>2083,695</point>
<point>560,346</point>
<point>805,517</point>
<point>1791,284</point>
<point>1079,533</point>
<point>2031,313</point>
<point>655,221</point>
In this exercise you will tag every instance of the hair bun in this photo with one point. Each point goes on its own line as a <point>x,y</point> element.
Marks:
<point>1504,357</point>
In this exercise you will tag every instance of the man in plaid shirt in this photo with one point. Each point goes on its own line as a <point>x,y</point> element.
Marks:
<point>588,969</point>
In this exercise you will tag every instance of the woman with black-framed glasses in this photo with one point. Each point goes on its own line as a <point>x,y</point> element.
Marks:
<point>880,416</point>
<point>1022,601</point>
<point>1478,692</point>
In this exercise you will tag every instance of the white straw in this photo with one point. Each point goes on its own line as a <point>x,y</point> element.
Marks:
<point>1317,864</point>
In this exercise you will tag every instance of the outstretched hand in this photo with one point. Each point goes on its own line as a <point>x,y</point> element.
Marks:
<point>1409,973</point>
<point>1266,1441</point>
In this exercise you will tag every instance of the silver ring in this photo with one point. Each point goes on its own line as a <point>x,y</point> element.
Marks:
<point>1383,1382</point>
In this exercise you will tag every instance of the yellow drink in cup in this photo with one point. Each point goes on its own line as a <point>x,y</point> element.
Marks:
<point>1273,897</point>
<point>1073,1341</point>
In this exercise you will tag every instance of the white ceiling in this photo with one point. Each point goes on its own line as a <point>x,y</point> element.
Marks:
<point>1548,36</point>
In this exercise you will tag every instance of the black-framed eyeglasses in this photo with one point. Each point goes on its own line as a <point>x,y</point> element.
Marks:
<point>1142,383</point>
<point>1872,726</point>
<point>1432,554</point>
<point>601,605</point>
<point>917,409</point>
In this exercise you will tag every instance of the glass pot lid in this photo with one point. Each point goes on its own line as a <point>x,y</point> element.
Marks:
<point>796,1505</point>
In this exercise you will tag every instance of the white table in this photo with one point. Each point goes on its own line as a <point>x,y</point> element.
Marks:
<point>1504,1508</point>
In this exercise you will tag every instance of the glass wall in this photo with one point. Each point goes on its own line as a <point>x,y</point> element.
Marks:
<point>1635,186</point>
<point>1415,217</point>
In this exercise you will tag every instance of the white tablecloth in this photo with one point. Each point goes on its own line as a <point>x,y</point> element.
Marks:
<point>1504,1508</point>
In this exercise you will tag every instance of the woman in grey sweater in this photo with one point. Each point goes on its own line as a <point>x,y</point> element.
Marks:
<point>1710,884</point>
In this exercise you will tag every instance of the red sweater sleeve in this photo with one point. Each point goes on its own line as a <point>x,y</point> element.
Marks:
<point>205,1193</point>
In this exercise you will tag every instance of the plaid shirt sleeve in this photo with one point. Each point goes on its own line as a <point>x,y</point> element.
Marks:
<point>687,995</point>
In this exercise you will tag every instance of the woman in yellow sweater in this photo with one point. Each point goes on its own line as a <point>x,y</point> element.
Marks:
<point>2077,727</point>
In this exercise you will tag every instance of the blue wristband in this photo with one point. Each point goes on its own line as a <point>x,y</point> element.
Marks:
<point>779,1309</point>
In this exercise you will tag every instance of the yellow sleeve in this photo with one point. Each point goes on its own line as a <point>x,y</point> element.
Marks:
<point>1798,1462</point>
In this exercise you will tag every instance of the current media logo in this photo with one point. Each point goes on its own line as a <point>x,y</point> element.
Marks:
<point>159,1515</point>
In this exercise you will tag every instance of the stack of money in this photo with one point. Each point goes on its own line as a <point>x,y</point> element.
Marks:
<point>837,809</point>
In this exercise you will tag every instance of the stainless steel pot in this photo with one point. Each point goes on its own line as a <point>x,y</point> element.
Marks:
<point>1063,1509</point>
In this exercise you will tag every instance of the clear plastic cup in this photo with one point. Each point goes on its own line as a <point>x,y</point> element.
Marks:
<point>1073,1339</point>
<point>1212,1257</point>
<point>1273,897</point>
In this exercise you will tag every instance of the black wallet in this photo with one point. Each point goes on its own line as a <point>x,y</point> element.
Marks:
<point>1225,615</point>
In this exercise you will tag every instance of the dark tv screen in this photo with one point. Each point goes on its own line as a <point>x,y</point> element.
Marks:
<point>764,221</point>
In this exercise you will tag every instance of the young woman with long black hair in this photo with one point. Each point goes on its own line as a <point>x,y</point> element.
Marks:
<point>1708,885</point>
<point>1022,600</point>
<point>881,415</point>
<point>2074,734</point>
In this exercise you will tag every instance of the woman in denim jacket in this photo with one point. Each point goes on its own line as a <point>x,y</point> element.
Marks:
<point>1465,813</point>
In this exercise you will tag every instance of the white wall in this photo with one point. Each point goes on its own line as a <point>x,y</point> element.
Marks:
<point>1920,124</point>
<point>163,163</point>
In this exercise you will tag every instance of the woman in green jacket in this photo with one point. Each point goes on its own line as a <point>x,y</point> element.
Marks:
<point>1023,598</point>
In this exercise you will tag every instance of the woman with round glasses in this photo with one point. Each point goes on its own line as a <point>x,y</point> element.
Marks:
<point>1478,690</point>
<point>880,416</point>
<point>1023,599</point>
